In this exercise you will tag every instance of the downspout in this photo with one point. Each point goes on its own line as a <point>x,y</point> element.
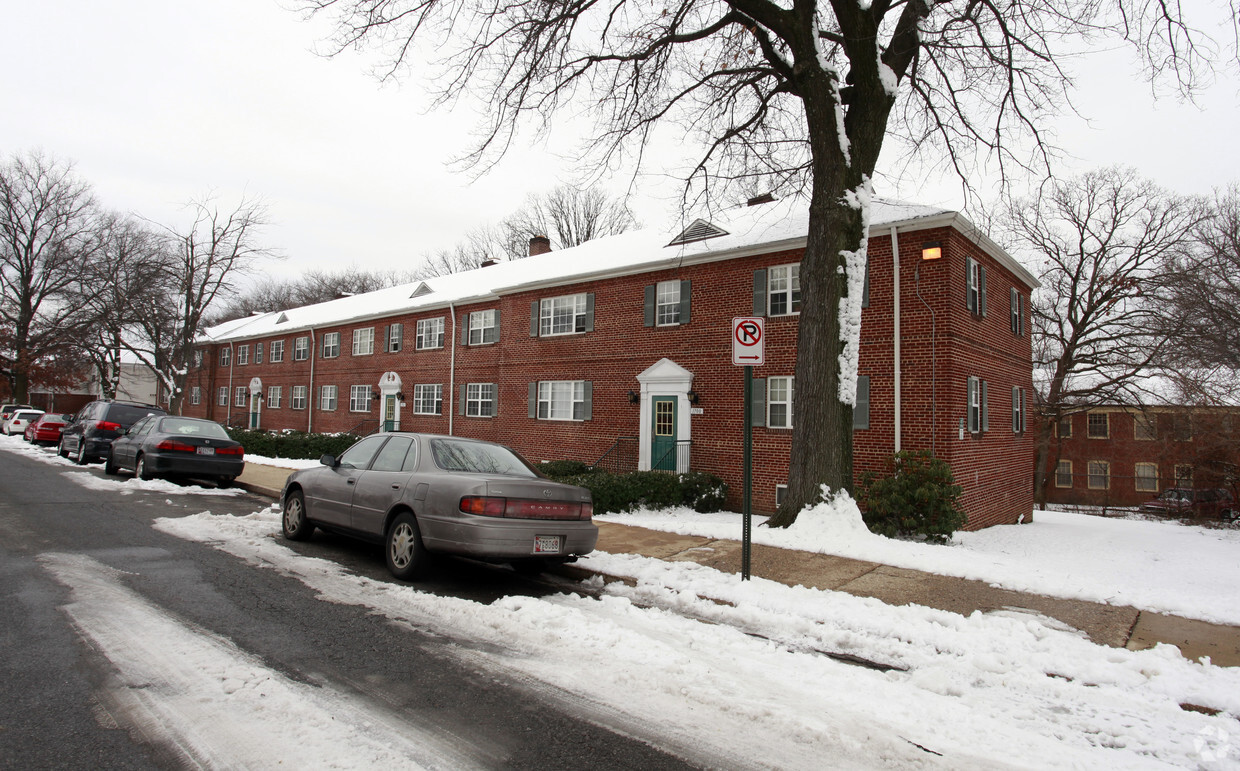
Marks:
<point>452,371</point>
<point>232,366</point>
<point>895,262</point>
<point>310,394</point>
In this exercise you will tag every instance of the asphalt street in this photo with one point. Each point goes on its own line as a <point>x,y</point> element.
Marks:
<point>63,704</point>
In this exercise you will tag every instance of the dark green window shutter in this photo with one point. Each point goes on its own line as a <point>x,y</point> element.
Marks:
<point>686,287</point>
<point>757,403</point>
<point>865,288</point>
<point>386,340</point>
<point>589,311</point>
<point>981,290</point>
<point>759,292</point>
<point>648,306</point>
<point>985,409</point>
<point>492,335</point>
<point>861,410</point>
<point>464,325</point>
<point>460,408</point>
<point>534,319</point>
<point>533,400</point>
<point>587,407</point>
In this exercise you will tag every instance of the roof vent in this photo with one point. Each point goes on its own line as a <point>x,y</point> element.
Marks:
<point>700,230</point>
<point>283,318</point>
<point>420,290</point>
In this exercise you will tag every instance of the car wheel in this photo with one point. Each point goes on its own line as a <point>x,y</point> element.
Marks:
<point>224,483</point>
<point>406,556</point>
<point>141,471</point>
<point>80,456</point>
<point>296,526</point>
<point>109,466</point>
<point>60,449</point>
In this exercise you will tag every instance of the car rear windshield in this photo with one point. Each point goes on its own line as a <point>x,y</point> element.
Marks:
<point>25,415</point>
<point>190,427</point>
<point>477,457</point>
<point>127,414</point>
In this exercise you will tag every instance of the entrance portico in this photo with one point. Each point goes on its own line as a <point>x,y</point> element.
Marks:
<point>665,427</point>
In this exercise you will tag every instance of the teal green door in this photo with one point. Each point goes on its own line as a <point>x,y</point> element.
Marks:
<point>663,434</point>
<point>389,412</point>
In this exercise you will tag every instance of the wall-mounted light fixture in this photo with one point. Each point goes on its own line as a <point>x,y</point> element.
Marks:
<point>931,250</point>
<point>693,397</point>
<point>376,395</point>
<point>400,396</point>
<point>633,397</point>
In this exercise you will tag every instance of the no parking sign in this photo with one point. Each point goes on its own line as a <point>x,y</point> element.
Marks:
<point>748,336</point>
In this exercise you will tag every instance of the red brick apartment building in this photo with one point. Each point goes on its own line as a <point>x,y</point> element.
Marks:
<point>1124,456</point>
<point>618,351</point>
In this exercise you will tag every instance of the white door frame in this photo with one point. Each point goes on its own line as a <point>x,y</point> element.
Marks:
<point>664,378</point>
<point>389,385</point>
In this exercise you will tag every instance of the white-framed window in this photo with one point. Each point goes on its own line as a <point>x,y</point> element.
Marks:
<point>564,315</point>
<point>1183,475</point>
<point>783,286</point>
<point>195,395</point>
<point>779,392</point>
<point>222,397</point>
<point>359,398</point>
<point>667,303</point>
<point>428,399</point>
<point>1018,410</point>
<point>225,357</point>
<point>240,395</point>
<point>364,341</point>
<point>258,353</point>
<point>274,393</point>
<point>301,348</point>
<point>429,334</point>
<point>1099,475</point>
<point>483,327</point>
<point>1182,426</point>
<point>243,354</point>
<point>331,345</point>
<point>1099,425</point>
<point>395,338</point>
<point>975,286</point>
<point>978,409</point>
<point>480,400</point>
<point>1144,426</point>
<point>561,400</point>
<point>1147,477</point>
<point>327,397</point>
<point>198,358</point>
<point>780,492</point>
<point>277,351</point>
<point>1063,474</point>
<point>1063,429</point>
<point>298,398</point>
<point>1018,316</point>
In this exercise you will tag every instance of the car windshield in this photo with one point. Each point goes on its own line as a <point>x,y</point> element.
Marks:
<point>189,427</point>
<point>477,457</point>
<point>1172,495</point>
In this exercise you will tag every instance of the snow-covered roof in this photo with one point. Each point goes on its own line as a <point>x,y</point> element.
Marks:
<point>743,231</point>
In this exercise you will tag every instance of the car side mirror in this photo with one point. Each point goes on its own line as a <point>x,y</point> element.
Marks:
<point>329,460</point>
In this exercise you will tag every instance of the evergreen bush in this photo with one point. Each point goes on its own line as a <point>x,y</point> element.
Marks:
<point>618,493</point>
<point>292,444</point>
<point>918,497</point>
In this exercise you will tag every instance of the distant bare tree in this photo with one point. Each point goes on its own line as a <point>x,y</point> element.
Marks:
<point>569,217</point>
<point>275,294</point>
<point>1102,240</point>
<point>47,233</point>
<point>205,259</point>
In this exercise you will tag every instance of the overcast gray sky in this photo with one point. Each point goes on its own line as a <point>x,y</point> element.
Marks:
<point>160,101</point>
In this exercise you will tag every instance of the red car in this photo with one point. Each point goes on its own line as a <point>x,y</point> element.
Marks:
<point>1189,502</point>
<point>46,430</point>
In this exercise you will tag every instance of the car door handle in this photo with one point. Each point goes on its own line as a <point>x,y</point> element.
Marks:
<point>352,481</point>
<point>395,487</point>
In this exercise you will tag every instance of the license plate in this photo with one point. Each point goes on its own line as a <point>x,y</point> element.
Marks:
<point>546,544</point>
<point>206,450</point>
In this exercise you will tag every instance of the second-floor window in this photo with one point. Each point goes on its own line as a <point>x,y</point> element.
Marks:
<point>565,315</point>
<point>225,357</point>
<point>243,354</point>
<point>429,334</point>
<point>301,348</point>
<point>1099,426</point>
<point>364,341</point>
<point>277,351</point>
<point>783,286</point>
<point>667,303</point>
<point>331,345</point>
<point>395,338</point>
<point>483,327</point>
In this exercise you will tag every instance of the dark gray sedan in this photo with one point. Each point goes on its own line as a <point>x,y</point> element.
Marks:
<point>422,493</point>
<point>162,445</point>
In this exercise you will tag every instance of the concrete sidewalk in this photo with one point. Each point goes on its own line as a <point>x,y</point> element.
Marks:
<point>1117,626</point>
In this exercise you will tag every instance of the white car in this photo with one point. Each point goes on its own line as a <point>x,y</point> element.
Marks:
<point>16,425</point>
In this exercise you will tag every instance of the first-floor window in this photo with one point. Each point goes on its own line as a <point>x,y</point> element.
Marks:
<point>239,396</point>
<point>1018,410</point>
<point>273,397</point>
<point>428,399</point>
<point>1063,474</point>
<point>195,395</point>
<point>480,400</point>
<point>298,399</point>
<point>359,398</point>
<point>1099,475</point>
<point>327,397</point>
<point>562,400</point>
<point>779,402</point>
<point>979,419</point>
<point>223,397</point>
<point>1184,475</point>
<point>1147,477</point>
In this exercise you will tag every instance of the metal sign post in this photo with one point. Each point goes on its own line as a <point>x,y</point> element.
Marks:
<point>748,350</point>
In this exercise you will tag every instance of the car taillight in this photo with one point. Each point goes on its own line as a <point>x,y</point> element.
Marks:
<point>172,445</point>
<point>107,425</point>
<point>517,508</point>
<point>230,451</point>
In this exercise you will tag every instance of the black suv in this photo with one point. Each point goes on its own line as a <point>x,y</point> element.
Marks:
<point>89,435</point>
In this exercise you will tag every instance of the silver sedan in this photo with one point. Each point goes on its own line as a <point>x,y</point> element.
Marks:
<point>424,493</point>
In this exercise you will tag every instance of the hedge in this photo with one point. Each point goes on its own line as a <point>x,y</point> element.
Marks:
<point>618,493</point>
<point>292,444</point>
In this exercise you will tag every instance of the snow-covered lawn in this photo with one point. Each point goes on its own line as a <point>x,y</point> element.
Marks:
<point>1152,565</point>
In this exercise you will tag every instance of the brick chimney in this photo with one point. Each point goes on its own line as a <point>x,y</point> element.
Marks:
<point>539,245</point>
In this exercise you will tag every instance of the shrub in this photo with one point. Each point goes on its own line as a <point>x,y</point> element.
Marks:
<point>617,493</point>
<point>565,468</point>
<point>703,492</point>
<point>917,498</point>
<point>292,444</point>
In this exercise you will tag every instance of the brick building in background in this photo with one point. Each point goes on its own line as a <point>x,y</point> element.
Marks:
<point>619,351</point>
<point>1119,455</point>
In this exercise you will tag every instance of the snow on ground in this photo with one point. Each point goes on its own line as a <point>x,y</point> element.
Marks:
<point>727,673</point>
<point>1152,565</point>
<point>293,463</point>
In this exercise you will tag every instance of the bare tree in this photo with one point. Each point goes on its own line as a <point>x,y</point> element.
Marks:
<point>1103,240</point>
<point>799,93</point>
<point>204,262</point>
<point>568,216</point>
<point>274,294</point>
<point>47,233</point>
